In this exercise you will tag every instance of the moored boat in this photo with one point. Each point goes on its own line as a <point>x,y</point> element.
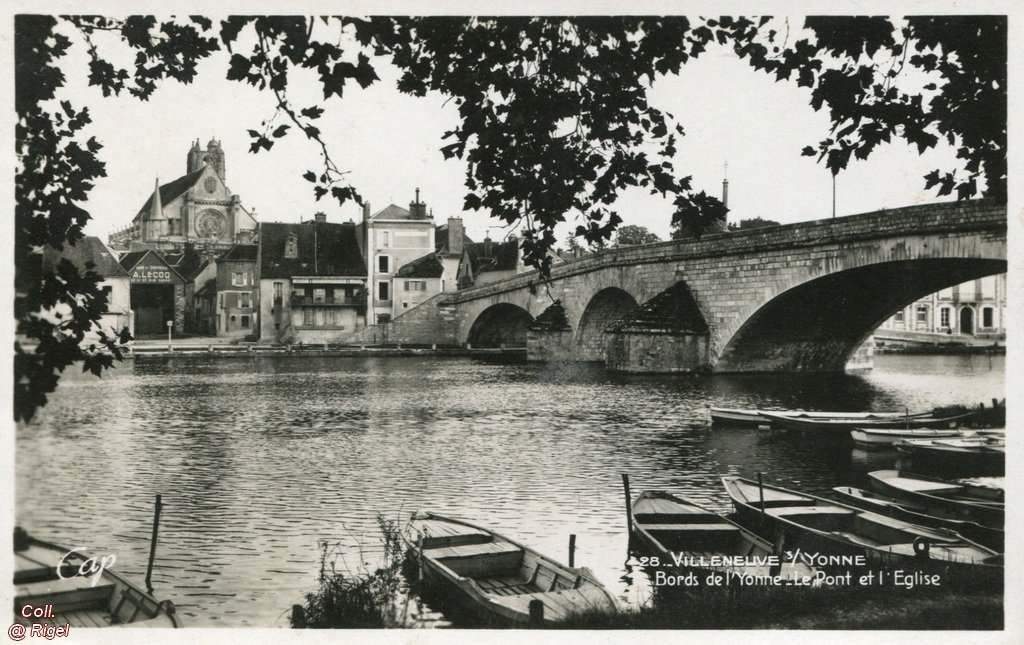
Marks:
<point>981,502</point>
<point>845,424</point>
<point>819,526</point>
<point>993,538</point>
<point>46,574</point>
<point>881,438</point>
<point>954,456</point>
<point>685,536</point>
<point>498,577</point>
<point>756,418</point>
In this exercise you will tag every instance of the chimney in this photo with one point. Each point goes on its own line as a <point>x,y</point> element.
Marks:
<point>725,186</point>
<point>244,236</point>
<point>320,217</point>
<point>487,246</point>
<point>418,209</point>
<point>366,211</point>
<point>456,237</point>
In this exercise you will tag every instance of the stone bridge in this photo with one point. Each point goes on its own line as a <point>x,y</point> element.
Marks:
<point>801,297</point>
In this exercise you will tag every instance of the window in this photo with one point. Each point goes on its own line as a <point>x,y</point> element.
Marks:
<point>987,317</point>
<point>245,322</point>
<point>405,305</point>
<point>232,317</point>
<point>385,240</point>
<point>243,300</point>
<point>383,265</point>
<point>319,293</point>
<point>899,316</point>
<point>291,246</point>
<point>383,291</point>
<point>277,291</point>
<point>944,317</point>
<point>220,300</point>
<point>239,279</point>
<point>415,285</point>
<point>922,315</point>
<point>307,317</point>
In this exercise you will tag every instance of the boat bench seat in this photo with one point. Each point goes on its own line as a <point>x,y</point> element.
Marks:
<point>67,594</point>
<point>709,528</point>
<point>472,550</point>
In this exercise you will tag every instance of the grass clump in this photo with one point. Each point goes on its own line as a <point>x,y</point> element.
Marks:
<point>361,599</point>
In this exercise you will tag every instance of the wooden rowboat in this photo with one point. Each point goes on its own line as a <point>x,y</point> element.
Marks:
<point>844,425</point>
<point>993,538</point>
<point>736,417</point>
<point>499,577</point>
<point>871,438</point>
<point>957,500</point>
<point>45,574</point>
<point>816,525</point>
<point>679,531</point>
<point>955,456</point>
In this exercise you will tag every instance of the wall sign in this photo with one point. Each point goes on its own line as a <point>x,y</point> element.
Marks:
<point>151,274</point>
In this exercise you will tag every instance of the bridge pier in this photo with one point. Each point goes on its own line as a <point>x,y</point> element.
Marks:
<point>658,352</point>
<point>550,337</point>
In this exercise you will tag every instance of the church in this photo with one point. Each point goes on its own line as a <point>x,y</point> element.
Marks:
<point>196,210</point>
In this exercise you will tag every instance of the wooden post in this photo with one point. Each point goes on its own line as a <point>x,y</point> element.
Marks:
<point>760,490</point>
<point>298,617</point>
<point>629,504</point>
<point>572,550</point>
<point>152,544</point>
<point>536,612</point>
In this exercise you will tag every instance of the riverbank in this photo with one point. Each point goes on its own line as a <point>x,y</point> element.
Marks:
<point>221,349</point>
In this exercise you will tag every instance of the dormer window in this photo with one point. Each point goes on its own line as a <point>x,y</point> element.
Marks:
<point>291,246</point>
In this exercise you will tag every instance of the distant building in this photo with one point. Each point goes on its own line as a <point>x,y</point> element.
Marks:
<point>226,303</point>
<point>390,239</point>
<point>450,242</point>
<point>116,281</point>
<point>313,282</point>
<point>976,308</point>
<point>195,209</point>
<point>157,293</point>
<point>489,261</point>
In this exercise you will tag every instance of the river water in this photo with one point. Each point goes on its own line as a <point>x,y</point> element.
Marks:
<point>260,459</point>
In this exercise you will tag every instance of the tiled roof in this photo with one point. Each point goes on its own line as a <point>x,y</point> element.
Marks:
<point>673,311</point>
<point>188,263</point>
<point>493,256</point>
<point>170,192</point>
<point>130,259</point>
<point>336,245</point>
<point>441,238</point>
<point>88,249</point>
<point>427,266</point>
<point>392,212</point>
<point>241,252</point>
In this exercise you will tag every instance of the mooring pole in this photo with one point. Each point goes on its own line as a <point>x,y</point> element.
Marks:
<point>629,506</point>
<point>572,550</point>
<point>760,490</point>
<point>152,544</point>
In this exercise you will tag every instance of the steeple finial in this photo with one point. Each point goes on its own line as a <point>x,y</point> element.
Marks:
<point>725,184</point>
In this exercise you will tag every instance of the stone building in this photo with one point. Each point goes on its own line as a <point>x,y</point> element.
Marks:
<point>312,282</point>
<point>390,239</point>
<point>227,297</point>
<point>195,209</point>
<point>116,281</point>
<point>157,293</point>
<point>973,309</point>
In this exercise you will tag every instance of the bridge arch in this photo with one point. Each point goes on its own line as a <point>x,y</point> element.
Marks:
<point>500,324</point>
<point>817,325</point>
<point>607,306</point>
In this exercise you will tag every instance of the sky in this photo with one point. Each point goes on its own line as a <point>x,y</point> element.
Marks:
<point>390,144</point>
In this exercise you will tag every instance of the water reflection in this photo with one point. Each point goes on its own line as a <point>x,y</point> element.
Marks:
<point>260,458</point>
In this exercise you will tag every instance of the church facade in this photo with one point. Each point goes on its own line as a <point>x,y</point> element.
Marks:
<point>197,209</point>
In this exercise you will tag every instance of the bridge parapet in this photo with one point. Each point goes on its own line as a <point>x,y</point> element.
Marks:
<point>973,215</point>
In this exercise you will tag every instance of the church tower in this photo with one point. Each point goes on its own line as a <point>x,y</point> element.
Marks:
<point>213,155</point>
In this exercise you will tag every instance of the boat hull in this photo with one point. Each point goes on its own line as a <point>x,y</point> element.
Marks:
<point>942,499</point>
<point>496,578</point>
<point>815,525</point>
